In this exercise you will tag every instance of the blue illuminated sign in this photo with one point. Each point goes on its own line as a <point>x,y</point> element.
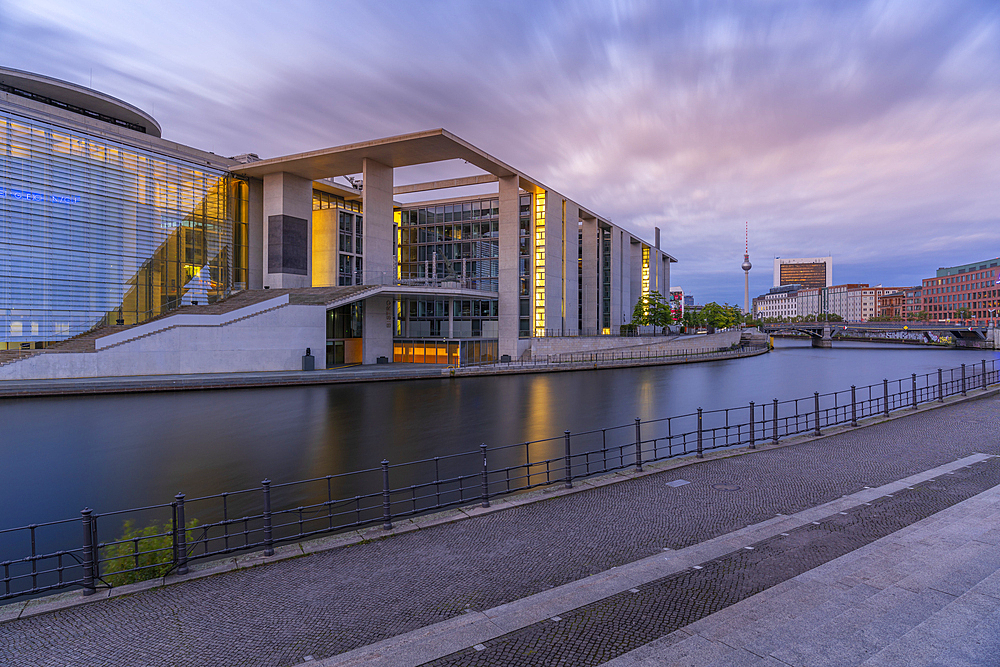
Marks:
<point>25,195</point>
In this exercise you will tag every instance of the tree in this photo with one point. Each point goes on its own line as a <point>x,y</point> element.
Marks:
<point>963,313</point>
<point>652,309</point>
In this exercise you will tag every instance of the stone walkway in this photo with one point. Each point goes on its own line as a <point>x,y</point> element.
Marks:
<point>340,601</point>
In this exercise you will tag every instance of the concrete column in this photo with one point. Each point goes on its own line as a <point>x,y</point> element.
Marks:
<point>509,305</point>
<point>591,276</point>
<point>287,237</point>
<point>665,276</point>
<point>256,233</point>
<point>634,274</point>
<point>616,279</point>
<point>377,329</point>
<point>571,283</point>
<point>554,212</point>
<point>379,262</point>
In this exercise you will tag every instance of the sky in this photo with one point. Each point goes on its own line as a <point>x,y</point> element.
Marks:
<point>865,130</point>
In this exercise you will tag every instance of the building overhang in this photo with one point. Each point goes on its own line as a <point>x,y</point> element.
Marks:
<point>405,150</point>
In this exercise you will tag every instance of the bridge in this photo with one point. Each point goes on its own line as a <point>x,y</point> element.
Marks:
<point>823,333</point>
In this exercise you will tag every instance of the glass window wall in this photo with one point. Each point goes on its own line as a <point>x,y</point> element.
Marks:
<point>94,231</point>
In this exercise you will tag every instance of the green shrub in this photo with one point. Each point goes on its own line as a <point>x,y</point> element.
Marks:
<point>154,544</point>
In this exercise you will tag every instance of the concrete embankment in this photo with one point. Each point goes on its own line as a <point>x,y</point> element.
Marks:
<point>689,349</point>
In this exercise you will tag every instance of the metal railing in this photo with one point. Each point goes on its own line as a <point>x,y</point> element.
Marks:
<point>271,514</point>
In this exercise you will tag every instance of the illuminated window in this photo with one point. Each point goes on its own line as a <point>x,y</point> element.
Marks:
<point>540,264</point>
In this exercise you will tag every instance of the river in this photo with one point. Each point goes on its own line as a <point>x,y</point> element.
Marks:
<point>60,454</point>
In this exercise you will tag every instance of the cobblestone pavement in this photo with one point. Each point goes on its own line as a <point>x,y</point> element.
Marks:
<point>598,632</point>
<point>334,601</point>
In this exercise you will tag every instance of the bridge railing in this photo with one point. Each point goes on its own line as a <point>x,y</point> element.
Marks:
<point>127,545</point>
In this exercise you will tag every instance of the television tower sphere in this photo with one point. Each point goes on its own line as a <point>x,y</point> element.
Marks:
<point>746,263</point>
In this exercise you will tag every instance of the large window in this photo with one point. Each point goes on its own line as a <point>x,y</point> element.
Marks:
<point>457,242</point>
<point>92,231</point>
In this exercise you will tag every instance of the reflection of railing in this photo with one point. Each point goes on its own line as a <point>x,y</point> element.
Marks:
<point>265,516</point>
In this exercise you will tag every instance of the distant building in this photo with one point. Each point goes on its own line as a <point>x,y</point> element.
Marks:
<point>780,303</point>
<point>679,301</point>
<point>892,305</point>
<point>914,303</point>
<point>971,288</point>
<point>688,301</point>
<point>871,301</point>
<point>808,272</point>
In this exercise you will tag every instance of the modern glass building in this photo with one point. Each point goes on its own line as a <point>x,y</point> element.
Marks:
<point>100,220</point>
<point>103,222</point>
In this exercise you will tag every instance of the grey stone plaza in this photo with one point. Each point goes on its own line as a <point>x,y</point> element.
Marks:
<point>875,545</point>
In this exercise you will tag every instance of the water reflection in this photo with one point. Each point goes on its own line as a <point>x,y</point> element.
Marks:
<point>109,452</point>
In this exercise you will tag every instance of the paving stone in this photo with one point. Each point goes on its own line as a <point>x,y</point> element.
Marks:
<point>843,625</point>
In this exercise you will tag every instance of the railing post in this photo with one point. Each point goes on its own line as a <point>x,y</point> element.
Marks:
<point>774,425</point>
<point>89,588</point>
<point>963,380</point>
<point>854,406</point>
<point>700,455</point>
<point>913,377</point>
<point>753,443</point>
<point>940,387</point>
<point>885,397</point>
<point>268,537</point>
<point>486,478</point>
<point>567,462</point>
<point>180,535</point>
<point>386,497</point>
<point>984,375</point>
<point>638,447</point>
<point>816,430</point>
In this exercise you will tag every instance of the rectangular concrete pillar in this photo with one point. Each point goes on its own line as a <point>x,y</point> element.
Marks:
<point>616,279</point>
<point>571,282</point>
<point>634,274</point>
<point>378,328</point>
<point>509,305</point>
<point>665,276</point>
<point>287,237</point>
<point>379,258</point>
<point>256,233</point>
<point>591,277</point>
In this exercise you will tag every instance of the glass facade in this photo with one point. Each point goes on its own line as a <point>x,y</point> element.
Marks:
<point>451,242</point>
<point>95,231</point>
<point>811,274</point>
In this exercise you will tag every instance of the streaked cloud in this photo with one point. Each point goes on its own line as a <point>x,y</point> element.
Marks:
<point>865,130</point>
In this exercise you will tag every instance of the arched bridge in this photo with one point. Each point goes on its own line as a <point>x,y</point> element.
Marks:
<point>823,333</point>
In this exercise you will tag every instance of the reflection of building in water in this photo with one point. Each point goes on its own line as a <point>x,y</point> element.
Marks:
<point>103,220</point>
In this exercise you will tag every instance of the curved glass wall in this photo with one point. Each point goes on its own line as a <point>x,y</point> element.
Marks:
<point>95,231</point>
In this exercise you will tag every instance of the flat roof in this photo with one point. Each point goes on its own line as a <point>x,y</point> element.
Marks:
<point>405,150</point>
<point>78,99</point>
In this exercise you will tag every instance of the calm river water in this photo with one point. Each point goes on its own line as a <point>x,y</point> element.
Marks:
<point>113,452</point>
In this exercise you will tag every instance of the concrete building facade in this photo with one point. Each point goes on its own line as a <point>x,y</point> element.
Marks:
<point>460,278</point>
<point>968,292</point>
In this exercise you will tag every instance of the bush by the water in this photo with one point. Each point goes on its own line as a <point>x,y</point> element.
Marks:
<point>149,549</point>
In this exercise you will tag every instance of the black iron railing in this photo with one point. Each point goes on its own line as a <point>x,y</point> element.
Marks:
<point>271,514</point>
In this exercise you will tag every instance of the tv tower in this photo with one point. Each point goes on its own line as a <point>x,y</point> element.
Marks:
<point>746,271</point>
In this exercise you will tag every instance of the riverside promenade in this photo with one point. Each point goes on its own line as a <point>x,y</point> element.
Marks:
<point>876,545</point>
